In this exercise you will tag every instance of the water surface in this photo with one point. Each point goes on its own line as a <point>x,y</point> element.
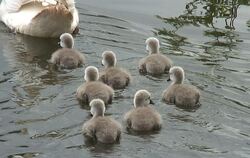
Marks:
<point>40,117</point>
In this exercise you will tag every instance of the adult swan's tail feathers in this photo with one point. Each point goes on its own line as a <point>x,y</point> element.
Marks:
<point>41,18</point>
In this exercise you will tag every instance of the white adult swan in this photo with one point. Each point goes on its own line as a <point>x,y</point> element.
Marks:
<point>41,18</point>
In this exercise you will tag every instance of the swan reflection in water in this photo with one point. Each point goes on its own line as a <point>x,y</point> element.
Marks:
<point>29,67</point>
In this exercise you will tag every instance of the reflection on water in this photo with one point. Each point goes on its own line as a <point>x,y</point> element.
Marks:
<point>219,42</point>
<point>28,56</point>
<point>26,49</point>
<point>214,15</point>
<point>208,12</point>
<point>40,117</point>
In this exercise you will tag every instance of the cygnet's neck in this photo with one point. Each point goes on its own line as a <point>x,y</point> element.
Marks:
<point>152,45</point>
<point>98,110</point>
<point>176,82</point>
<point>110,62</point>
<point>109,65</point>
<point>91,79</point>
<point>154,50</point>
<point>91,75</point>
<point>98,113</point>
<point>139,102</point>
<point>178,78</point>
<point>68,44</point>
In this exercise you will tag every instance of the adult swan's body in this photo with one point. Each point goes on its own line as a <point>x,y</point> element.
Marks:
<point>41,18</point>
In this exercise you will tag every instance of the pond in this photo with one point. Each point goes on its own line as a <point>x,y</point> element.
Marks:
<point>40,116</point>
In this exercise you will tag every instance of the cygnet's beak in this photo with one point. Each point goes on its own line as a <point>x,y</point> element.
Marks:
<point>90,114</point>
<point>151,102</point>
<point>169,79</point>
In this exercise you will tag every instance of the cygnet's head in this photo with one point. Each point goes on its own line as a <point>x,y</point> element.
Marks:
<point>177,74</point>
<point>66,40</point>
<point>91,74</point>
<point>142,98</point>
<point>97,107</point>
<point>108,58</point>
<point>152,45</point>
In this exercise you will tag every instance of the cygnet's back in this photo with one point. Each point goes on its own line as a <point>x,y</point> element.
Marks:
<point>113,76</point>
<point>182,95</point>
<point>155,63</point>
<point>67,57</point>
<point>103,129</point>
<point>106,130</point>
<point>94,89</point>
<point>143,117</point>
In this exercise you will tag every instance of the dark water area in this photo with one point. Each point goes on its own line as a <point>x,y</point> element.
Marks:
<point>41,118</point>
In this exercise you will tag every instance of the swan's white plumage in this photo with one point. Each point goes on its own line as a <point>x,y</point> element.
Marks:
<point>42,18</point>
<point>20,19</point>
<point>10,6</point>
